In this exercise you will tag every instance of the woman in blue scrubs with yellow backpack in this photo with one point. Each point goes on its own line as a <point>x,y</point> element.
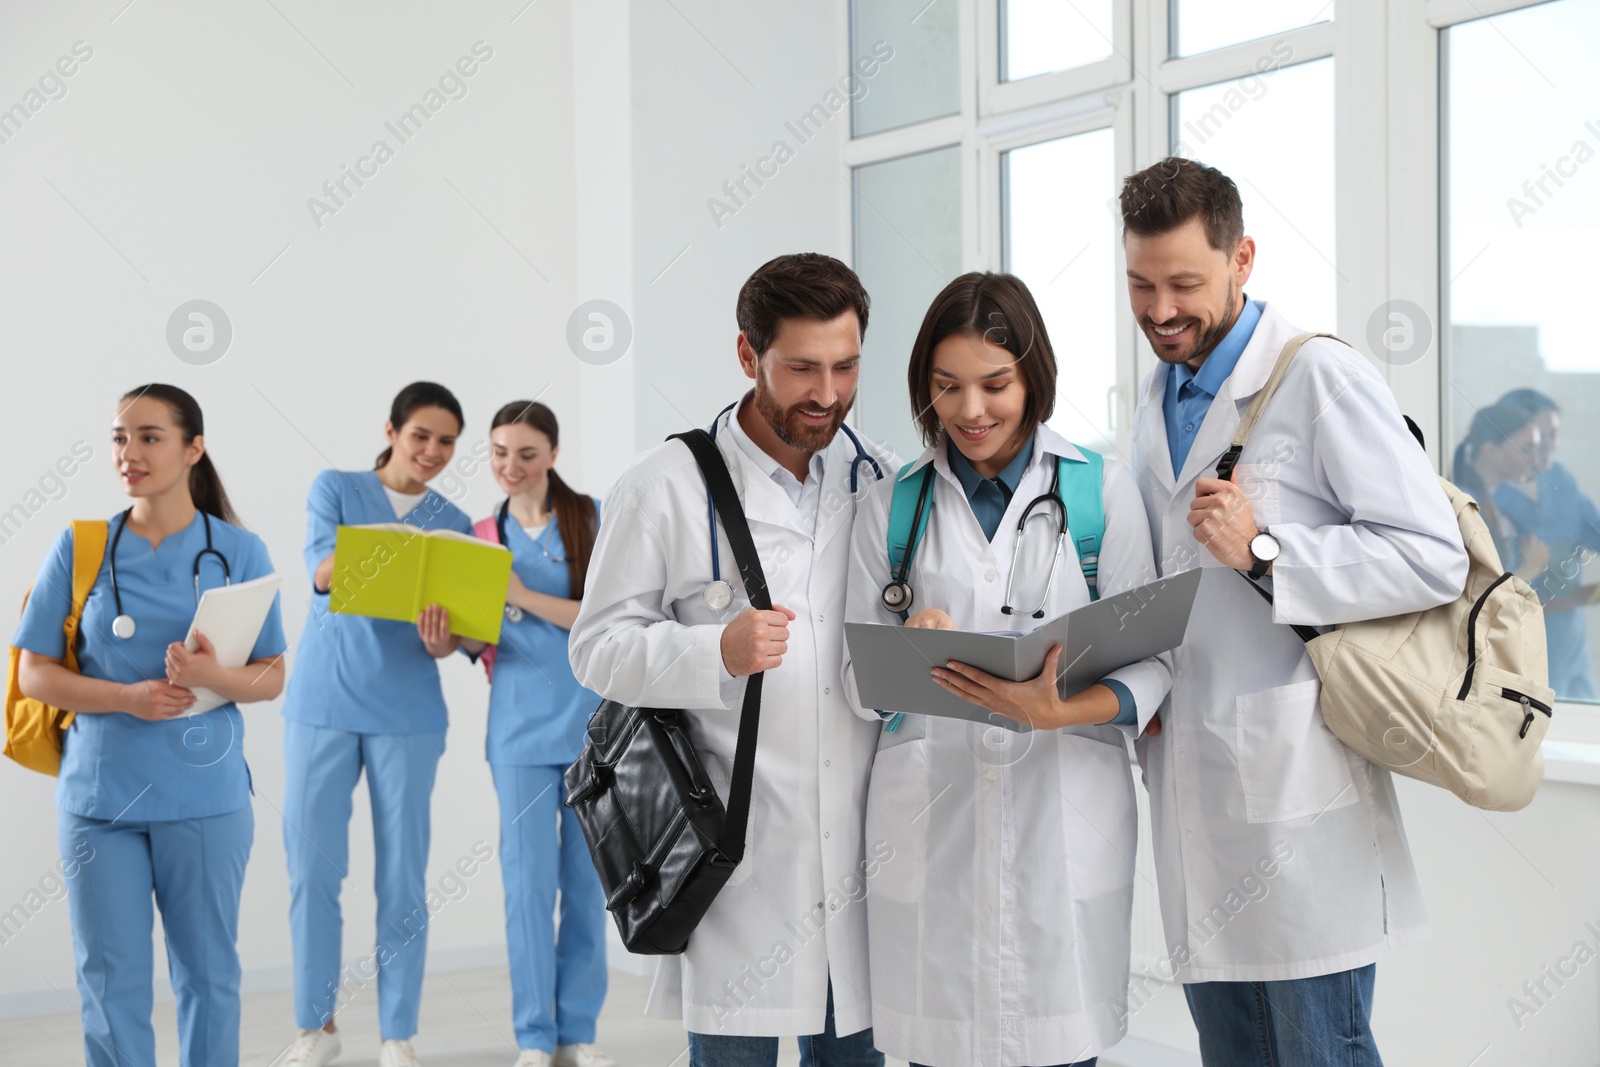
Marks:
<point>154,802</point>
<point>366,698</point>
<point>537,715</point>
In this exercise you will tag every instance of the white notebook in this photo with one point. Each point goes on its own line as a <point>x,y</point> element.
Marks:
<point>231,617</point>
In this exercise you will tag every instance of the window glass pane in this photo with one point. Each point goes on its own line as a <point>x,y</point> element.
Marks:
<point>905,56</point>
<point>1273,135</point>
<point>1521,181</point>
<point>1059,239</point>
<point>1040,36</point>
<point>907,247</point>
<point>1201,25</point>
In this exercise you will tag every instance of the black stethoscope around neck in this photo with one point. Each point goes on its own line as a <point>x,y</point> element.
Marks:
<point>123,625</point>
<point>897,595</point>
<point>718,594</point>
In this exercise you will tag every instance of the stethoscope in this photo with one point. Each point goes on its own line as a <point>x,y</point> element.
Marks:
<point>123,625</point>
<point>897,595</point>
<point>718,594</point>
<point>514,613</point>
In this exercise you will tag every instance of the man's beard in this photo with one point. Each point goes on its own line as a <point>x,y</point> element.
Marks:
<point>791,429</point>
<point>1206,342</point>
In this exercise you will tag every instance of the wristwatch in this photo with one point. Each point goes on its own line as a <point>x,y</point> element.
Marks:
<point>1264,548</point>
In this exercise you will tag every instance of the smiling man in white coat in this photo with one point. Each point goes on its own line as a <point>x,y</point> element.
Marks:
<point>783,949</point>
<point>1282,862</point>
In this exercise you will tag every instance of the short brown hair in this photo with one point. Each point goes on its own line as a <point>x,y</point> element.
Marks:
<point>1168,194</point>
<point>999,308</point>
<point>804,285</point>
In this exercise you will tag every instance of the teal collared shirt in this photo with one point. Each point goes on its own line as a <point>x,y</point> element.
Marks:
<point>1190,393</point>
<point>989,498</point>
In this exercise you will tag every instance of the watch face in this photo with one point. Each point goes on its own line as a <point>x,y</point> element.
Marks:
<point>1265,547</point>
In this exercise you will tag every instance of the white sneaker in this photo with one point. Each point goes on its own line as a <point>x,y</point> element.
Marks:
<point>580,1056</point>
<point>533,1057</point>
<point>313,1048</point>
<point>397,1054</point>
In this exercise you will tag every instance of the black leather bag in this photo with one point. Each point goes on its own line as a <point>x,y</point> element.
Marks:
<point>661,839</point>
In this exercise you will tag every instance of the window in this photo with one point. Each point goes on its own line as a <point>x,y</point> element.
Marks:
<point>1060,239</point>
<point>1044,36</point>
<point>916,43</point>
<point>1272,133</point>
<point>907,247</point>
<point>1521,181</point>
<point>1204,25</point>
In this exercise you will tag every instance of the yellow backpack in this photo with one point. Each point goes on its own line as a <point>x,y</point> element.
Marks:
<point>34,729</point>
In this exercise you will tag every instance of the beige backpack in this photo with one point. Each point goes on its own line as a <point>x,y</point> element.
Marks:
<point>1455,696</point>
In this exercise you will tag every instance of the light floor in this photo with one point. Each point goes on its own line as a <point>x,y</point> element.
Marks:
<point>466,1022</point>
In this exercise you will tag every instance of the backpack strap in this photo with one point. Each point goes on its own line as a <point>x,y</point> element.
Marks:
<point>903,517</point>
<point>88,553</point>
<point>1083,494</point>
<point>1258,404</point>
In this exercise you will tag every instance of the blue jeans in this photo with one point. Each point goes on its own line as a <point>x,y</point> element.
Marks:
<point>1323,1021</point>
<point>826,1049</point>
<point>1090,1062</point>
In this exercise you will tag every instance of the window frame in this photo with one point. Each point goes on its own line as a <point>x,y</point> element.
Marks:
<point>1387,123</point>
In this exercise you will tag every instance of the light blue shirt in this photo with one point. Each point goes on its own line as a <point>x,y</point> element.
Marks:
<point>1189,393</point>
<point>806,495</point>
<point>115,765</point>
<point>989,498</point>
<point>352,673</point>
<point>537,710</point>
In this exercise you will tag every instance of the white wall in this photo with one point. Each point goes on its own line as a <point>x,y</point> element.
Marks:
<point>713,86</point>
<point>177,166</point>
<point>188,145</point>
<point>1508,894</point>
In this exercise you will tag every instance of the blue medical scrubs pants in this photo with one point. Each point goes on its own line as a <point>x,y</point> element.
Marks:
<point>558,981</point>
<point>323,767</point>
<point>193,870</point>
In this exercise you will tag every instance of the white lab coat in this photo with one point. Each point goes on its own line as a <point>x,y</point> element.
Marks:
<point>1000,926</point>
<point>759,962</point>
<point>1280,852</point>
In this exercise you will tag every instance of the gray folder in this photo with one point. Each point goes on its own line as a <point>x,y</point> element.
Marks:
<point>894,664</point>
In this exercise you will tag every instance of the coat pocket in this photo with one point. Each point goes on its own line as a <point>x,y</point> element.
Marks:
<point>1290,764</point>
<point>898,819</point>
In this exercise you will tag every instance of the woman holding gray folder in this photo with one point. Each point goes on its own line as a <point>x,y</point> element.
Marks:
<point>365,699</point>
<point>1000,930</point>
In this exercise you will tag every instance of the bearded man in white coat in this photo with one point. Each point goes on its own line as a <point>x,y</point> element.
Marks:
<point>1282,861</point>
<point>783,949</point>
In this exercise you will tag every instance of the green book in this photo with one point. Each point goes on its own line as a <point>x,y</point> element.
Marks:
<point>393,571</point>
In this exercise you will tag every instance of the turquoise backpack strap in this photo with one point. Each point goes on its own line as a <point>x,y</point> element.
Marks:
<point>1083,494</point>
<point>902,516</point>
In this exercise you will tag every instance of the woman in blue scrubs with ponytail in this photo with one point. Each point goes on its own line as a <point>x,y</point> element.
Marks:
<point>537,715</point>
<point>154,802</point>
<point>366,698</point>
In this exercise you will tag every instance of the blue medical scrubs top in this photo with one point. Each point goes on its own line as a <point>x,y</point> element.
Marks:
<point>537,709</point>
<point>118,766</point>
<point>352,673</point>
<point>1563,517</point>
<point>1190,393</point>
